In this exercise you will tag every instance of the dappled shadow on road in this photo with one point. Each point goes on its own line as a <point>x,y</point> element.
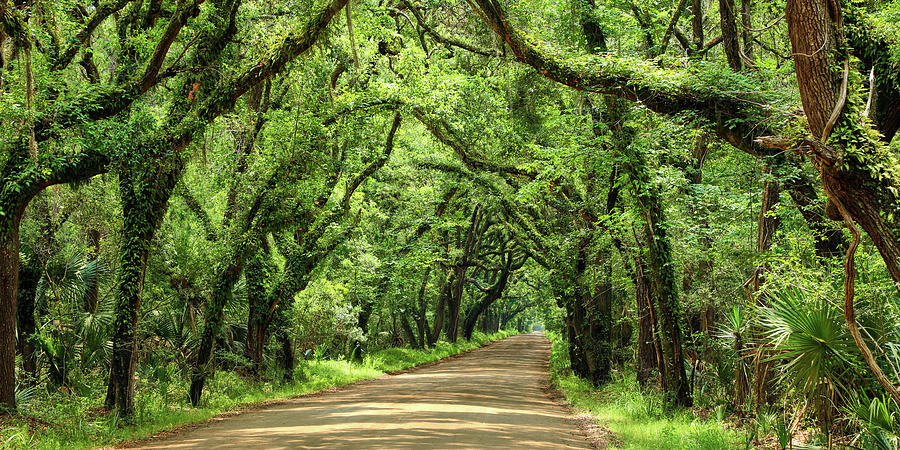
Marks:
<point>490,398</point>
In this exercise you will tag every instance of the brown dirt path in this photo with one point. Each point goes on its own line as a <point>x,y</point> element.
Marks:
<point>489,398</point>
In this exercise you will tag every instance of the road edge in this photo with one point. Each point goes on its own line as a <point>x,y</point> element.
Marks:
<point>596,435</point>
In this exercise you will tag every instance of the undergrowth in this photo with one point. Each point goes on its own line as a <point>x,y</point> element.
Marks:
<point>61,420</point>
<point>640,419</point>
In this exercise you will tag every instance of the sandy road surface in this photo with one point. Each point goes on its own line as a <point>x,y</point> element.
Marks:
<point>488,398</point>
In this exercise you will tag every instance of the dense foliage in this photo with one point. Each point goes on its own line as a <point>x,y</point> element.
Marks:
<point>701,199</point>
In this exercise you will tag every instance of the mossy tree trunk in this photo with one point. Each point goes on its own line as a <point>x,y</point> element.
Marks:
<point>858,170</point>
<point>144,190</point>
<point>227,276</point>
<point>255,274</point>
<point>662,275</point>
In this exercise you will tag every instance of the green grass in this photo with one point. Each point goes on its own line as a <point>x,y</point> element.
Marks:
<point>61,420</point>
<point>639,419</point>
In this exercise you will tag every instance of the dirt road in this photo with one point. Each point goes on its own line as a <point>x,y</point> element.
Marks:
<point>488,398</point>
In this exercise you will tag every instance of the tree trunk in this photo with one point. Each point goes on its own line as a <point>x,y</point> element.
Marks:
<point>421,312</point>
<point>214,318</point>
<point>767,226</point>
<point>145,192</point>
<point>133,253</point>
<point>746,26</point>
<point>662,276</point>
<point>256,338</point>
<point>811,27</point>
<point>287,354</point>
<point>493,294</point>
<point>577,358</point>
<point>730,42</point>
<point>408,332</point>
<point>255,275</point>
<point>669,307</point>
<point>440,310</point>
<point>855,166</point>
<point>29,276</point>
<point>648,355</point>
<point>9,285</point>
<point>697,24</point>
<point>454,303</point>
<point>600,309</point>
<point>474,312</point>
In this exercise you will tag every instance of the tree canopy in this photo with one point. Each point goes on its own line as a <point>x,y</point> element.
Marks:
<point>704,195</point>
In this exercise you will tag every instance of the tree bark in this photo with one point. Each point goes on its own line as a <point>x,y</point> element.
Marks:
<point>29,276</point>
<point>730,43</point>
<point>697,24</point>
<point>9,284</point>
<point>648,355</point>
<point>813,35</point>
<point>746,26</point>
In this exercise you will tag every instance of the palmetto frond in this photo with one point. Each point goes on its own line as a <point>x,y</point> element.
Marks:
<point>878,418</point>
<point>809,334</point>
<point>70,280</point>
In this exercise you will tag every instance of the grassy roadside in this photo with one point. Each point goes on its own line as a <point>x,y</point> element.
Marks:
<point>638,419</point>
<point>65,421</point>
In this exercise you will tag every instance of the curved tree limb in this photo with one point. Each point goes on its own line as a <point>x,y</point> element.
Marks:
<point>849,313</point>
<point>100,14</point>
<point>449,40</point>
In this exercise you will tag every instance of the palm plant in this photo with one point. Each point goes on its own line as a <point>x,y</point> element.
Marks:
<point>171,329</point>
<point>83,336</point>
<point>878,423</point>
<point>93,327</point>
<point>733,331</point>
<point>808,336</point>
